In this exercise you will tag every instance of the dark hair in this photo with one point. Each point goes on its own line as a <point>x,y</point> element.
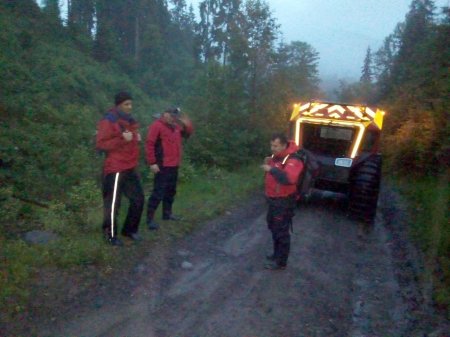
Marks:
<point>281,136</point>
<point>122,97</point>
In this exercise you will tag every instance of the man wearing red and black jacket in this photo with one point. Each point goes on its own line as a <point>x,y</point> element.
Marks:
<point>118,136</point>
<point>282,172</point>
<point>164,151</point>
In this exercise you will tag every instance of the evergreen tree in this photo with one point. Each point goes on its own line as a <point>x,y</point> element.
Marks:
<point>81,16</point>
<point>366,73</point>
<point>260,31</point>
<point>416,31</point>
<point>52,11</point>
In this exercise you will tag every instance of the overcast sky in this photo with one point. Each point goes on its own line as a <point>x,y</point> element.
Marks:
<point>340,30</point>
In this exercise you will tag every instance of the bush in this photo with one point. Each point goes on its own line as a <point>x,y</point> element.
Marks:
<point>9,209</point>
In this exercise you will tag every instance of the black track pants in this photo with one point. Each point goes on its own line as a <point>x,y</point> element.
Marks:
<point>114,185</point>
<point>164,189</point>
<point>279,220</point>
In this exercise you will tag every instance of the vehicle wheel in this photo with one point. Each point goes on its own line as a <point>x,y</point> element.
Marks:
<point>364,189</point>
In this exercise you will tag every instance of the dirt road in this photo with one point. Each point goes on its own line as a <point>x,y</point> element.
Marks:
<point>212,283</point>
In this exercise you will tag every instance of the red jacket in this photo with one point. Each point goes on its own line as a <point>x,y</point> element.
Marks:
<point>281,180</point>
<point>163,145</point>
<point>120,154</point>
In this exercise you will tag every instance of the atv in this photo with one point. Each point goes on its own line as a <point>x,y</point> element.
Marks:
<point>341,147</point>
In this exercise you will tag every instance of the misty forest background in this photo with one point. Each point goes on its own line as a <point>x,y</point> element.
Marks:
<point>227,67</point>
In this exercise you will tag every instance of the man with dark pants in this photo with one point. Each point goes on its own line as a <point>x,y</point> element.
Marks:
<point>118,137</point>
<point>164,150</point>
<point>282,172</point>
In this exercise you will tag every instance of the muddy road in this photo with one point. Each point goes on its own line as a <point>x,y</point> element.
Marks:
<point>340,281</point>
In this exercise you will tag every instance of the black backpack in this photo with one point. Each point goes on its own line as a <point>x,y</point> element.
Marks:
<point>310,168</point>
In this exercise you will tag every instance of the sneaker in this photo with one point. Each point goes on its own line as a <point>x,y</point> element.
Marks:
<point>114,241</point>
<point>133,236</point>
<point>152,225</point>
<point>171,217</point>
<point>274,266</point>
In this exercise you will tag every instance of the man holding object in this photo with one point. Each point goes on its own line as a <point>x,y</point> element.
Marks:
<point>282,171</point>
<point>118,136</point>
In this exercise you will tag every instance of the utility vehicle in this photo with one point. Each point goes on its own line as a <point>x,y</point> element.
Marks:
<point>341,146</point>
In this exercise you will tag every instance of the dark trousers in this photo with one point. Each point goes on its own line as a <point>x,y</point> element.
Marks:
<point>164,189</point>
<point>114,185</point>
<point>279,221</point>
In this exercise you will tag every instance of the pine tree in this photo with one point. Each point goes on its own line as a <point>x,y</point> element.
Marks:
<point>366,73</point>
<point>52,11</point>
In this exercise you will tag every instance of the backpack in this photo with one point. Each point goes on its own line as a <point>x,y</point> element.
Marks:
<point>309,172</point>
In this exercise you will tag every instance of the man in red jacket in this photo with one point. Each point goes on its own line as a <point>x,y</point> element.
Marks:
<point>118,137</point>
<point>282,171</point>
<point>164,150</point>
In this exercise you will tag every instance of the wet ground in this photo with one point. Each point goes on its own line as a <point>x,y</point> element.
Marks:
<point>343,279</point>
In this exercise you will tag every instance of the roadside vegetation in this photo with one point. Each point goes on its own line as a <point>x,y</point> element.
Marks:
<point>409,78</point>
<point>429,206</point>
<point>202,194</point>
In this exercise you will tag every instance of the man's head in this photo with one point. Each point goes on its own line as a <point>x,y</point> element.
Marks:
<point>123,101</point>
<point>278,143</point>
<point>171,115</point>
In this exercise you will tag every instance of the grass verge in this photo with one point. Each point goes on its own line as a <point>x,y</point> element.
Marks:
<point>202,195</point>
<point>429,204</point>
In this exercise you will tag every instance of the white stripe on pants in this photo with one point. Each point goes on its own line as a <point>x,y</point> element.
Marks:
<point>116,181</point>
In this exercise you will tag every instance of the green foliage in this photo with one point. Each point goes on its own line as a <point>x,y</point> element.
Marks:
<point>205,194</point>
<point>9,209</point>
<point>187,171</point>
<point>429,199</point>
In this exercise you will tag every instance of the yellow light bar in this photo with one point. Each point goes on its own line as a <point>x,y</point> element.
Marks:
<point>378,119</point>
<point>322,121</point>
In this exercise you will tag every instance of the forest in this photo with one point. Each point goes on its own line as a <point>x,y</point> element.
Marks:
<point>228,68</point>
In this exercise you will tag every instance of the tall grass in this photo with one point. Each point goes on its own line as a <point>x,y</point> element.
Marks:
<point>429,203</point>
<point>202,194</point>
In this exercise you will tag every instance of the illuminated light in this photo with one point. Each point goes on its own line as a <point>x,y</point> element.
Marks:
<point>335,115</point>
<point>297,132</point>
<point>356,111</point>
<point>305,106</point>
<point>362,129</point>
<point>318,107</point>
<point>323,121</point>
<point>295,112</point>
<point>336,107</point>
<point>370,112</point>
<point>319,115</point>
<point>378,120</point>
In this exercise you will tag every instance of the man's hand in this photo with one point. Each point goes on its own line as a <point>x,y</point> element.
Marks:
<point>154,168</point>
<point>266,167</point>
<point>139,138</point>
<point>183,119</point>
<point>267,160</point>
<point>127,135</point>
